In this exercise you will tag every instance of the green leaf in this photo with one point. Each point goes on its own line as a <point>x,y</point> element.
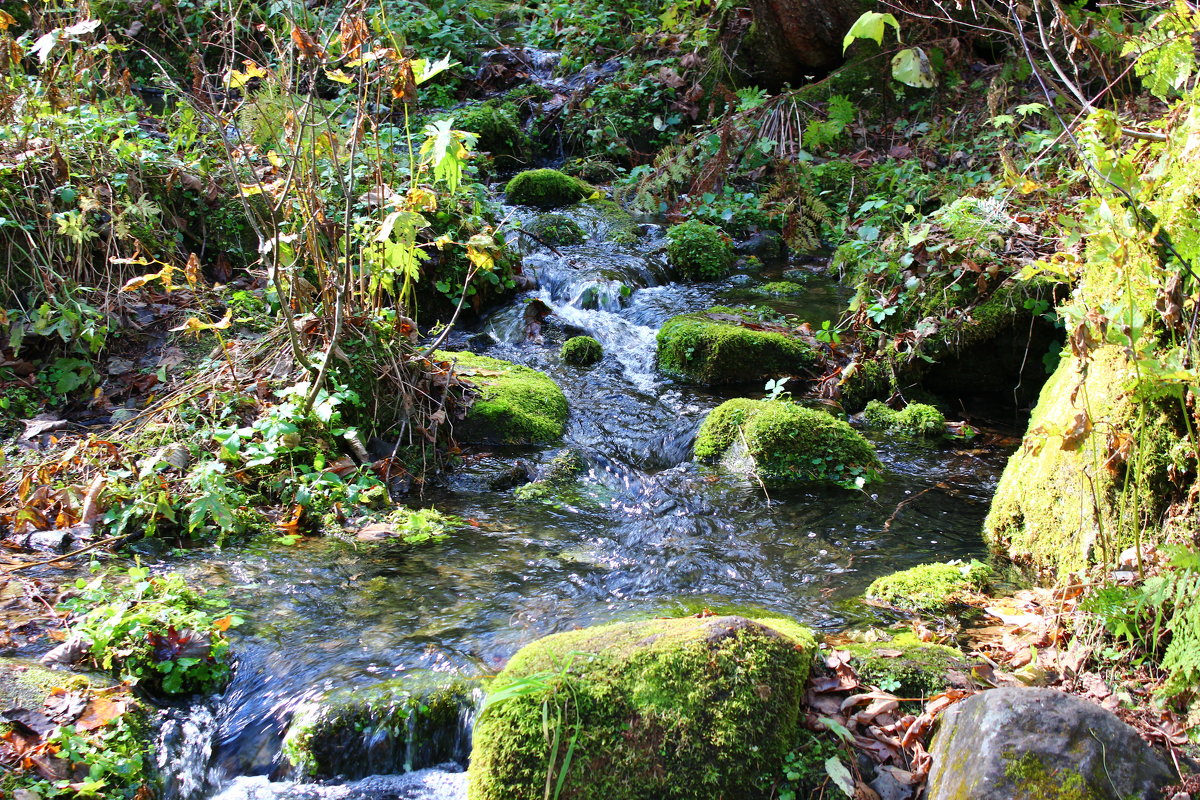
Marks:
<point>911,67</point>
<point>840,775</point>
<point>870,25</point>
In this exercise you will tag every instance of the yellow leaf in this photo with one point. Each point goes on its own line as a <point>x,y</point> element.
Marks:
<point>236,80</point>
<point>443,240</point>
<point>338,75</point>
<point>192,270</point>
<point>163,275</point>
<point>194,325</point>
<point>274,158</point>
<point>251,189</point>
<point>7,20</point>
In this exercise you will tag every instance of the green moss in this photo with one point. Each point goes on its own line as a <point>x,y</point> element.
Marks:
<point>398,725</point>
<point>557,229</point>
<point>1052,502</point>
<point>930,587</point>
<point>699,251</point>
<point>919,670</point>
<point>546,188</point>
<point>787,442</point>
<point>668,708</point>
<point>779,289</point>
<point>715,347</point>
<point>619,226</point>
<point>873,377</point>
<point>497,128</point>
<point>517,405</point>
<point>915,421</point>
<point>581,351</point>
<point>1034,780</point>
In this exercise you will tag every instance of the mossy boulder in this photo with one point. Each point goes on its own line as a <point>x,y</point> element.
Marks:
<point>516,404</point>
<point>616,224</point>
<point>699,251</point>
<point>498,130</point>
<point>906,666</point>
<point>719,346</point>
<point>557,230</point>
<point>783,442</point>
<point>930,587</point>
<point>914,421</point>
<point>667,708</point>
<point>547,188</point>
<point>1040,744</point>
<point>395,726</point>
<point>581,351</point>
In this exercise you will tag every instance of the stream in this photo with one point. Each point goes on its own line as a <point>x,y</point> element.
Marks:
<point>655,534</point>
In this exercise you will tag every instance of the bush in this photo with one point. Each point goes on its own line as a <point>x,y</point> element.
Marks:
<point>581,351</point>
<point>699,251</point>
<point>546,188</point>
<point>155,631</point>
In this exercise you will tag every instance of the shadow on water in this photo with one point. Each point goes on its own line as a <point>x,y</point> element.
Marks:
<point>654,534</point>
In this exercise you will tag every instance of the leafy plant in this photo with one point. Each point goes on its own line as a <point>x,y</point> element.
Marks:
<point>154,630</point>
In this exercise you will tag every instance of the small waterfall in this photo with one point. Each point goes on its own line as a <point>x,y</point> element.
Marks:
<point>184,752</point>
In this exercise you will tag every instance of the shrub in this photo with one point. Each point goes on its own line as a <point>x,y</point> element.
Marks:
<point>699,251</point>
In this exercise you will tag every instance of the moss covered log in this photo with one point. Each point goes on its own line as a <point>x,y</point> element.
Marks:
<point>717,346</point>
<point>783,442</point>
<point>668,708</point>
<point>516,405</point>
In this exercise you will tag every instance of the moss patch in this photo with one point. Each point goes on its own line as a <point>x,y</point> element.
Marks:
<point>699,251</point>
<point>914,421</point>
<point>557,229</point>
<point>668,708</point>
<point>497,129</point>
<point>930,587</point>
<point>517,405</point>
<point>1034,780</point>
<point>779,289</point>
<point>581,351</point>
<point>905,665</point>
<point>617,225</point>
<point>716,346</point>
<point>546,188</point>
<point>787,443</point>
<point>394,726</point>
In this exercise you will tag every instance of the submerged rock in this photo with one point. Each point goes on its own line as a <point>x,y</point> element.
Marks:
<point>557,230</point>
<point>930,587</point>
<point>1040,743</point>
<point>546,188</point>
<point>719,346</point>
<point>667,708</point>
<point>517,405</point>
<point>395,726</point>
<point>783,442</point>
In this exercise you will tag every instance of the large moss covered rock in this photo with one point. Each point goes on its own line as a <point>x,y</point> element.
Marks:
<point>720,346</point>
<point>699,251</point>
<point>546,188</point>
<point>783,442</point>
<point>516,405</point>
<point>668,708</point>
<point>557,230</point>
<point>1040,744</point>
<point>395,726</point>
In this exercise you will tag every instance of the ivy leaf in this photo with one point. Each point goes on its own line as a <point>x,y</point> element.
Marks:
<point>911,67</point>
<point>871,25</point>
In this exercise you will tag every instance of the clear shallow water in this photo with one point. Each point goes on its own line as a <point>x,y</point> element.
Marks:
<point>661,536</point>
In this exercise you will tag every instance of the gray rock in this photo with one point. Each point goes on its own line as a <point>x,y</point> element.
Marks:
<point>55,541</point>
<point>764,244</point>
<point>1023,743</point>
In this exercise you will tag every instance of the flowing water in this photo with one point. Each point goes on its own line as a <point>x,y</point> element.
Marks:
<point>651,534</point>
